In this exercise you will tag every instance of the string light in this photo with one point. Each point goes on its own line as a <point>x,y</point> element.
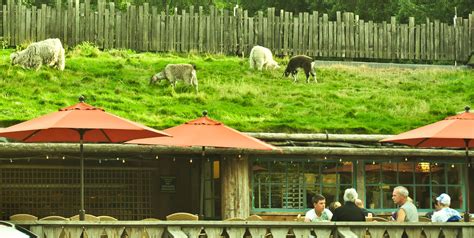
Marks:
<point>406,159</point>
<point>11,161</point>
<point>452,166</point>
<point>156,157</point>
<point>174,159</point>
<point>123,161</point>
<point>325,158</point>
<point>100,161</point>
<point>340,159</point>
<point>191,161</point>
<point>47,157</point>
<point>64,157</point>
<point>373,162</point>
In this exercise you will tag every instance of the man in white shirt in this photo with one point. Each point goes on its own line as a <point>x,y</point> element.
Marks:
<point>445,213</point>
<point>319,212</point>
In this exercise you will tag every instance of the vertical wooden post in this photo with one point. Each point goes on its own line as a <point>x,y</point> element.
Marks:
<point>235,187</point>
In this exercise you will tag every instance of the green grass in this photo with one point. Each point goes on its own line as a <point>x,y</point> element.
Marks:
<point>347,99</point>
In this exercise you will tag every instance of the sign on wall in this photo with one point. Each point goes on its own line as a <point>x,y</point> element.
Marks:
<point>168,184</point>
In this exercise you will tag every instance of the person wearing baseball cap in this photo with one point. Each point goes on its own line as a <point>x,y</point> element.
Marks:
<point>445,214</point>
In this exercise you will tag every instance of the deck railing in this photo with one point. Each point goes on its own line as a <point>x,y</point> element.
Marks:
<point>238,229</point>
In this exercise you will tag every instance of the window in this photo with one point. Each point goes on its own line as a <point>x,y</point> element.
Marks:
<point>424,180</point>
<point>52,187</point>
<point>285,184</point>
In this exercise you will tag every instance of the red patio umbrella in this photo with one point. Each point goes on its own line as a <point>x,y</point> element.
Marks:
<point>79,123</point>
<point>452,132</point>
<point>204,132</point>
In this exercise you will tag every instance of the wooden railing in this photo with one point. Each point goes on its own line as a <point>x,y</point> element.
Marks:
<point>238,229</point>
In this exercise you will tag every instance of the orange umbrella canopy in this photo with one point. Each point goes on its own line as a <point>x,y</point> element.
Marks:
<point>63,126</point>
<point>206,132</point>
<point>452,132</point>
<point>79,123</point>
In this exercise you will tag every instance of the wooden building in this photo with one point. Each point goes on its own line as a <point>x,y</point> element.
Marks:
<point>132,182</point>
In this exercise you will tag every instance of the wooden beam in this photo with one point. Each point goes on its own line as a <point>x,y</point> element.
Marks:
<point>318,137</point>
<point>8,150</point>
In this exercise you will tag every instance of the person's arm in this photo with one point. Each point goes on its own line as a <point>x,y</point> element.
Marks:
<point>401,215</point>
<point>306,219</point>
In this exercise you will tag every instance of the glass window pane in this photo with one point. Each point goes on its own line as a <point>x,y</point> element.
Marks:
<point>387,196</point>
<point>276,196</point>
<point>456,197</point>
<point>405,172</point>
<point>330,194</point>
<point>437,173</point>
<point>454,174</point>
<point>389,173</point>
<point>345,173</point>
<point>372,173</point>
<point>422,198</point>
<point>329,173</point>
<point>373,197</point>
<point>422,173</point>
<point>261,197</point>
<point>311,171</point>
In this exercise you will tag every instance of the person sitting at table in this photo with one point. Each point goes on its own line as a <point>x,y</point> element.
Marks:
<point>445,213</point>
<point>349,211</point>
<point>360,204</point>
<point>319,212</point>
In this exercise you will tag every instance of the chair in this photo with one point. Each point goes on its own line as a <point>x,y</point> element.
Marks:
<point>424,219</point>
<point>151,219</point>
<point>235,219</point>
<point>107,218</point>
<point>23,217</point>
<point>54,218</point>
<point>381,219</point>
<point>254,218</point>
<point>182,216</point>
<point>88,217</point>
<point>299,218</point>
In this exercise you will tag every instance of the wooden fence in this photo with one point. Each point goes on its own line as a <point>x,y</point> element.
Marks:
<point>145,28</point>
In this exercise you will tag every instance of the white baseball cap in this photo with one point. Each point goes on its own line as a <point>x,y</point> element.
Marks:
<point>444,199</point>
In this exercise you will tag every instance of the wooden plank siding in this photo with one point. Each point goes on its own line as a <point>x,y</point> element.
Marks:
<point>148,28</point>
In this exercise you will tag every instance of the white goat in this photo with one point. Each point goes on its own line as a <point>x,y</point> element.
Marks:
<point>261,57</point>
<point>49,52</point>
<point>177,72</point>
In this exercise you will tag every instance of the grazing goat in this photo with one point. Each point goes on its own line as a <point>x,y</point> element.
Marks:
<point>301,61</point>
<point>49,52</point>
<point>261,57</point>
<point>177,72</point>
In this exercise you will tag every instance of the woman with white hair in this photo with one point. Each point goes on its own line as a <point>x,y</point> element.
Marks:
<point>349,211</point>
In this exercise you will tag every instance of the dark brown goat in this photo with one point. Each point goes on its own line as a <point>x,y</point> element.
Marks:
<point>301,61</point>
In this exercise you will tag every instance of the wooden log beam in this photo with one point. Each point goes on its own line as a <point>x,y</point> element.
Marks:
<point>317,137</point>
<point>8,150</point>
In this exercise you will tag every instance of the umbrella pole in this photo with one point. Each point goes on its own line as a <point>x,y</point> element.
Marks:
<point>467,216</point>
<point>82,212</point>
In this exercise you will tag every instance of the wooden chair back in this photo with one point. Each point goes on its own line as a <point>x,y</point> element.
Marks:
<point>254,218</point>
<point>88,217</point>
<point>107,218</point>
<point>23,217</point>
<point>235,219</point>
<point>182,216</point>
<point>54,218</point>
